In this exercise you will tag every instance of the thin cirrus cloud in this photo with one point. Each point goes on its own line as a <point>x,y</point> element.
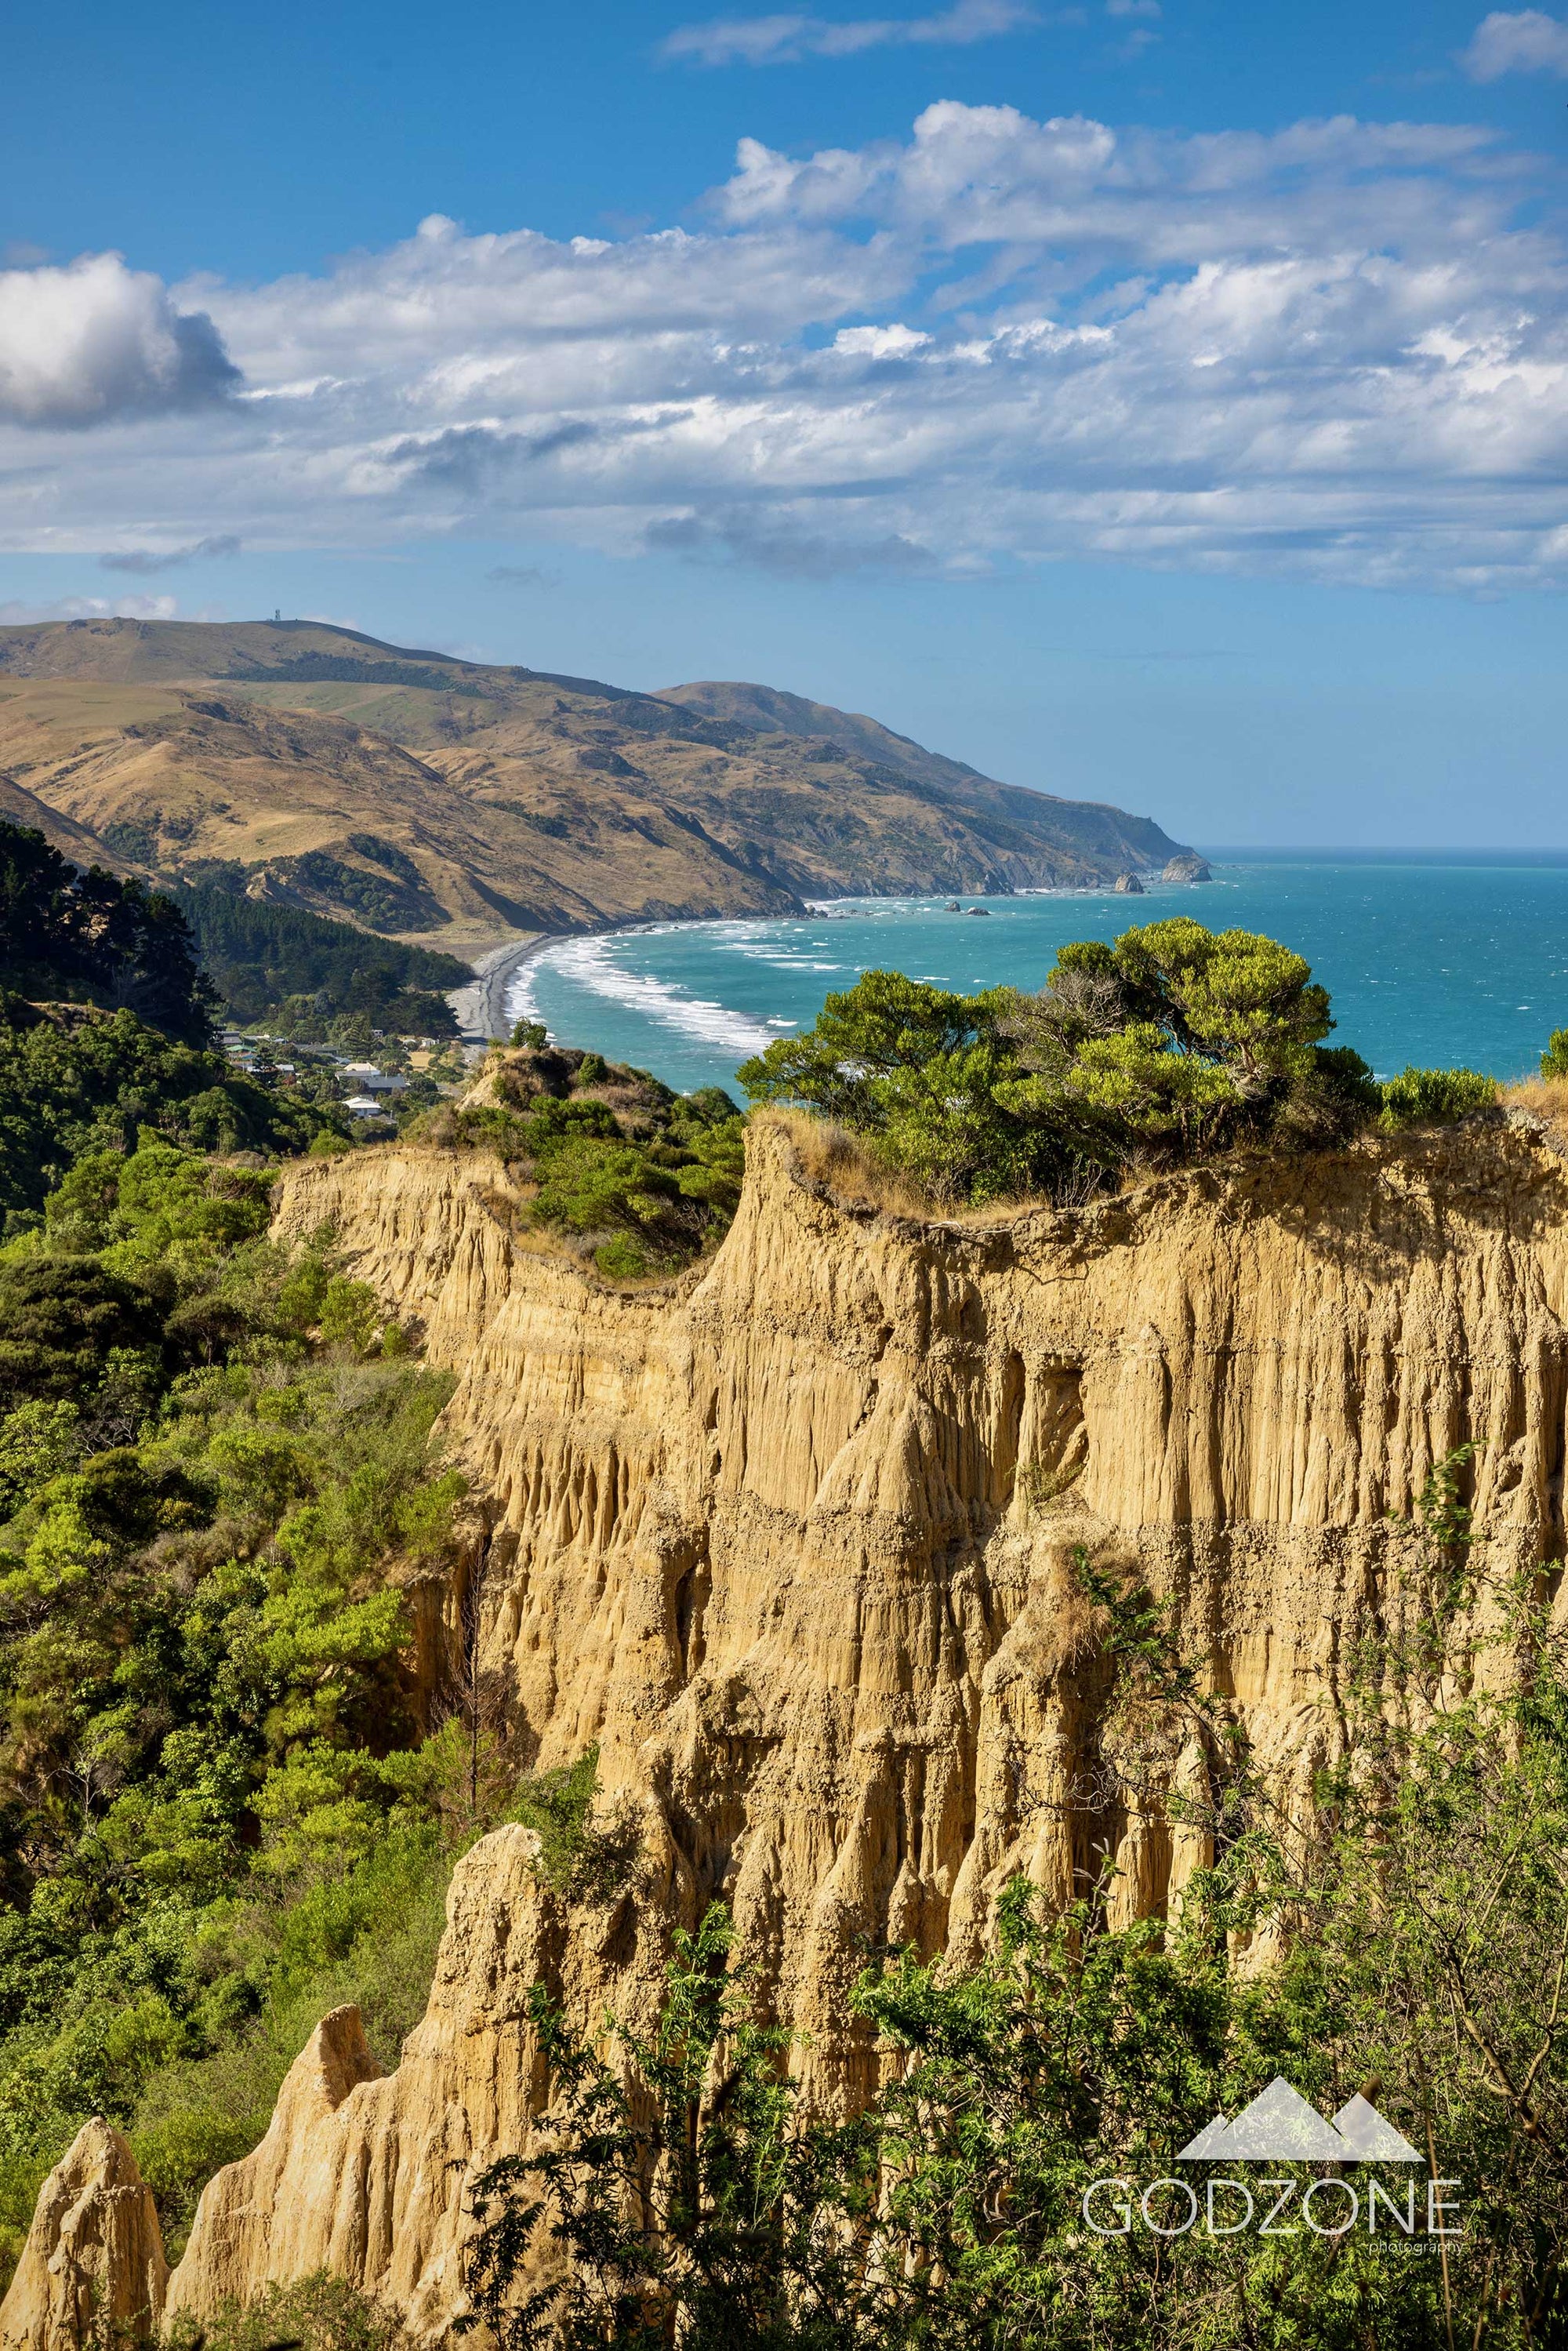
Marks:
<point>143,560</point>
<point>789,39</point>
<point>1338,351</point>
<point>1527,41</point>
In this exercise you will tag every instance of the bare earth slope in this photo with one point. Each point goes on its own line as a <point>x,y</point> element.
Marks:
<point>416,793</point>
<point>1084,828</point>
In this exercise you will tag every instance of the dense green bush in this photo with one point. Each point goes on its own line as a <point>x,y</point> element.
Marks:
<point>1435,1097</point>
<point>1174,1043</point>
<point>268,960</point>
<point>219,1813</point>
<point>1554,1061</point>
<point>73,1081</point>
<point>639,1177</point>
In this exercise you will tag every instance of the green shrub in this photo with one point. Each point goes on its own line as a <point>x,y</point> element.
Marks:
<point>59,1321</point>
<point>641,1178</point>
<point>351,1313</point>
<point>620,1258</point>
<point>318,2313</point>
<point>1173,1044</point>
<point>1435,1097</point>
<point>585,1861</point>
<point>179,2154</point>
<point>1554,1061</point>
<point>219,1817</point>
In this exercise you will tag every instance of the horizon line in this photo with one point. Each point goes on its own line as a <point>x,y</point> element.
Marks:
<point>1375,849</point>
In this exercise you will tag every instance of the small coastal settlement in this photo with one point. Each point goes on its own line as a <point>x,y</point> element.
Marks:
<point>408,1074</point>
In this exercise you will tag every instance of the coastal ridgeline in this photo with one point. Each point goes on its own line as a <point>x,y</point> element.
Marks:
<point>454,802</point>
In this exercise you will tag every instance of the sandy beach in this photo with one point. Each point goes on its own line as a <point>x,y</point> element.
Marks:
<point>480,1005</point>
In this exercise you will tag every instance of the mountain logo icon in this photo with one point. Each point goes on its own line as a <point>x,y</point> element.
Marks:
<point>1279,2126</point>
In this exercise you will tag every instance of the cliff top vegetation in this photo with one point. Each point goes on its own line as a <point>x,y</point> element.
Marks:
<point>1175,1044</point>
<point>634,1177</point>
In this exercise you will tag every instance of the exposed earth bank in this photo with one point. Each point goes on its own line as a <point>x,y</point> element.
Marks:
<point>792,1540</point>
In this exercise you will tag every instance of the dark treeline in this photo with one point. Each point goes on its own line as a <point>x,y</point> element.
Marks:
<point>268,960</point>
<point>89,938</point>
<point>105,1030</point>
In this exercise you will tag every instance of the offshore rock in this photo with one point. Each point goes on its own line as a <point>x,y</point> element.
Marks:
<point>93,2262</point>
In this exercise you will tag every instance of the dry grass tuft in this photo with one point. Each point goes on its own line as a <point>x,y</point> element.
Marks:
<point>843,1161</point>
<point>831,1154</point>
<point>848,1164</point>
<point>1547,1097</point>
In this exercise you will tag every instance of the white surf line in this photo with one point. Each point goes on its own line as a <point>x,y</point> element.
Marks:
<point>521,1003</point>
<point>586,963</point>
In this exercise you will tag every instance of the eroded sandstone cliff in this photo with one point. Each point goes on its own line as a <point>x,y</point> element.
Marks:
<point>792,1540</point>
<point>93,2265</point>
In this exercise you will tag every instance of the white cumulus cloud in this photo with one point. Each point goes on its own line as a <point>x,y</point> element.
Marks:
<point>1527,41</point>
<point>1336,351</point>
<point>95,340</point>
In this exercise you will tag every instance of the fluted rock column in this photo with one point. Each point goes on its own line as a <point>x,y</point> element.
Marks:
<point>94,2256</point>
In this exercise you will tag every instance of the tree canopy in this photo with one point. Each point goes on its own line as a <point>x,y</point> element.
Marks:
<point>1171,1042</point>
<point>89,936</point>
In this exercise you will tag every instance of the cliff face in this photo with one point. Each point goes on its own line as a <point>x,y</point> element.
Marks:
<point>793,1540</point>
<point>93,2265</point>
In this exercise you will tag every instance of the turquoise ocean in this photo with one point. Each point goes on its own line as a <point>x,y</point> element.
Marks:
<point>1454,959</point>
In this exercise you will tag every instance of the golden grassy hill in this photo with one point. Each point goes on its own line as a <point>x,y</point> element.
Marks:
<point>416,794</point>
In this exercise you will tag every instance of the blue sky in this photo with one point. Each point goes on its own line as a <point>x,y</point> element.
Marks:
<point>1165,403</point>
